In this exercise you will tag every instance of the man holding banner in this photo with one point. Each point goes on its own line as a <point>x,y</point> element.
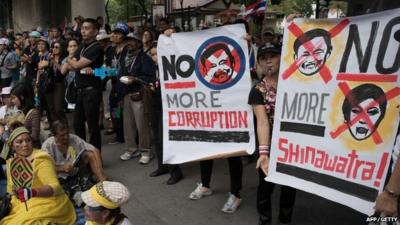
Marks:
<point>205,80</point>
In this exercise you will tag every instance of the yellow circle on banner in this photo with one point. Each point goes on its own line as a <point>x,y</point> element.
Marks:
<point>332,62</point>
<point>386,128</point>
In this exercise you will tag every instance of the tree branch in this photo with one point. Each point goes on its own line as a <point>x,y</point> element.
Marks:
<point>107,12</point>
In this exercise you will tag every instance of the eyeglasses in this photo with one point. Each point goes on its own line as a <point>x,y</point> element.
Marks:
<point>56,47</point>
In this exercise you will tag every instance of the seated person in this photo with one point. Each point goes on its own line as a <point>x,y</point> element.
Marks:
<point>37,197</point>
<point>68,149</point>
<point>103,202</point>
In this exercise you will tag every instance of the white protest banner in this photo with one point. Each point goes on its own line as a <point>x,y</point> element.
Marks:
<point>336,117</point>
<point>205,83</point>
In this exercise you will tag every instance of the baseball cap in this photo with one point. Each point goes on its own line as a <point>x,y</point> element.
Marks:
<point>122,28</point>
<point>108,194</point>
<point>34,34</point>
<point>269,30</point>
<point>269,48</point>
<point>4,41</point>
<point>5,91</point>
<point>134,36</point>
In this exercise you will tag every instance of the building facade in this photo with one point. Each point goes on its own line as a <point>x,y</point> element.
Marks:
<point>25,15</point>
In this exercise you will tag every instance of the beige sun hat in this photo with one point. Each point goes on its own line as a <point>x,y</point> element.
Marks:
<point>108,194</point>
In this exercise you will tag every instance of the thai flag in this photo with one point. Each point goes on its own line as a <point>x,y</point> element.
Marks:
<point>254,8</point>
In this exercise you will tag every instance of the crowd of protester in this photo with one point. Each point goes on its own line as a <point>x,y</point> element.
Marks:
<point>46,75</point>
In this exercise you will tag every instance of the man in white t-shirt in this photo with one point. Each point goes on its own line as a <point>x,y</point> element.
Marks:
<point>68,150</point>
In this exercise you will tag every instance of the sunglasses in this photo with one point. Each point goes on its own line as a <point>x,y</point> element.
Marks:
<point>94,209</point>
<point>56,47</point>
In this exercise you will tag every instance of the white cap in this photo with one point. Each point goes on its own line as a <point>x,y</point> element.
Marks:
<point>5,91</point>
<point>108,194</point>
<point>4,41</point>
<point>102,35</point>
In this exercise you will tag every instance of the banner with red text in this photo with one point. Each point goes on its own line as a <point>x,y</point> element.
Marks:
<point>336,115</point>
<point>205,83</point>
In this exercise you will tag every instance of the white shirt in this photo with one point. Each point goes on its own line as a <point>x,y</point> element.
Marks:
<point>3,111</point>
<point>396,150</point>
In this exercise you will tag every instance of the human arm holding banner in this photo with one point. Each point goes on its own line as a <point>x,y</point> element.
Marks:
<point>263,134</point>
<point>387,201</point>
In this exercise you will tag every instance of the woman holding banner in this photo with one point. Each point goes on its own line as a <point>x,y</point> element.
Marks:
<point>262,99</point>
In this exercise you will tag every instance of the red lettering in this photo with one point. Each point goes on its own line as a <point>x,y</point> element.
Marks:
<point>213,118</point>
<point>357,166</point>
<point>294,153</point>
<point>189,121</point>
<point>233,119</point>
<point>352,156</point>
<point>181,118</point>
<point>196,120</point>
<point>170,121</point>
<point>243,119</point>
<point>281,142</point>
<point>308,150</point>
<point>330,164</point>
<point>368,172</point>
<point>227,119</point>
<point>221,122</point>
<point>207,119</point>
<point>319,162</point>
<point>341,166</point>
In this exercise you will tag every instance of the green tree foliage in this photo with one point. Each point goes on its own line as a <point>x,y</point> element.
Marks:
<point>121,10</point>
<point>339,5</point>
<point>287,7</point>
<point>303,7</point>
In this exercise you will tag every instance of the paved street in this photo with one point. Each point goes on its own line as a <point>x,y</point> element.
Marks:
<point>153,202</point>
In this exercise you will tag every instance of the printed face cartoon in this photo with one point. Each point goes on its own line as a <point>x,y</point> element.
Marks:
<point>361,130</point>
<point>218,63</point>
<point>364,97</point>
<point>312,50</point>
<point>313,61</point>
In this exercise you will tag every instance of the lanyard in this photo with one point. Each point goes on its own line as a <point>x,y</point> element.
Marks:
<point>84,49</point>
<point>132,64</point>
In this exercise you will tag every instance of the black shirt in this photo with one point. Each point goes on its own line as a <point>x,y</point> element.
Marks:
<point>264,94</point>
<point>140,66</point>
<point>32,66</point>
<point>93,52</point>
<point>58,76</point>
<point>255,97</point>
<point>109,56</point>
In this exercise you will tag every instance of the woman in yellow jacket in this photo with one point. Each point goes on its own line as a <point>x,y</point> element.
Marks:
<point>37,197</point>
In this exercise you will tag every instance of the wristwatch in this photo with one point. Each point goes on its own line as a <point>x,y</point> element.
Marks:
<point>391,193</point>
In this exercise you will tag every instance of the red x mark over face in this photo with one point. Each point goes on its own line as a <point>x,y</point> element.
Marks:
<point>297,32</point>
<point>363,114</point>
